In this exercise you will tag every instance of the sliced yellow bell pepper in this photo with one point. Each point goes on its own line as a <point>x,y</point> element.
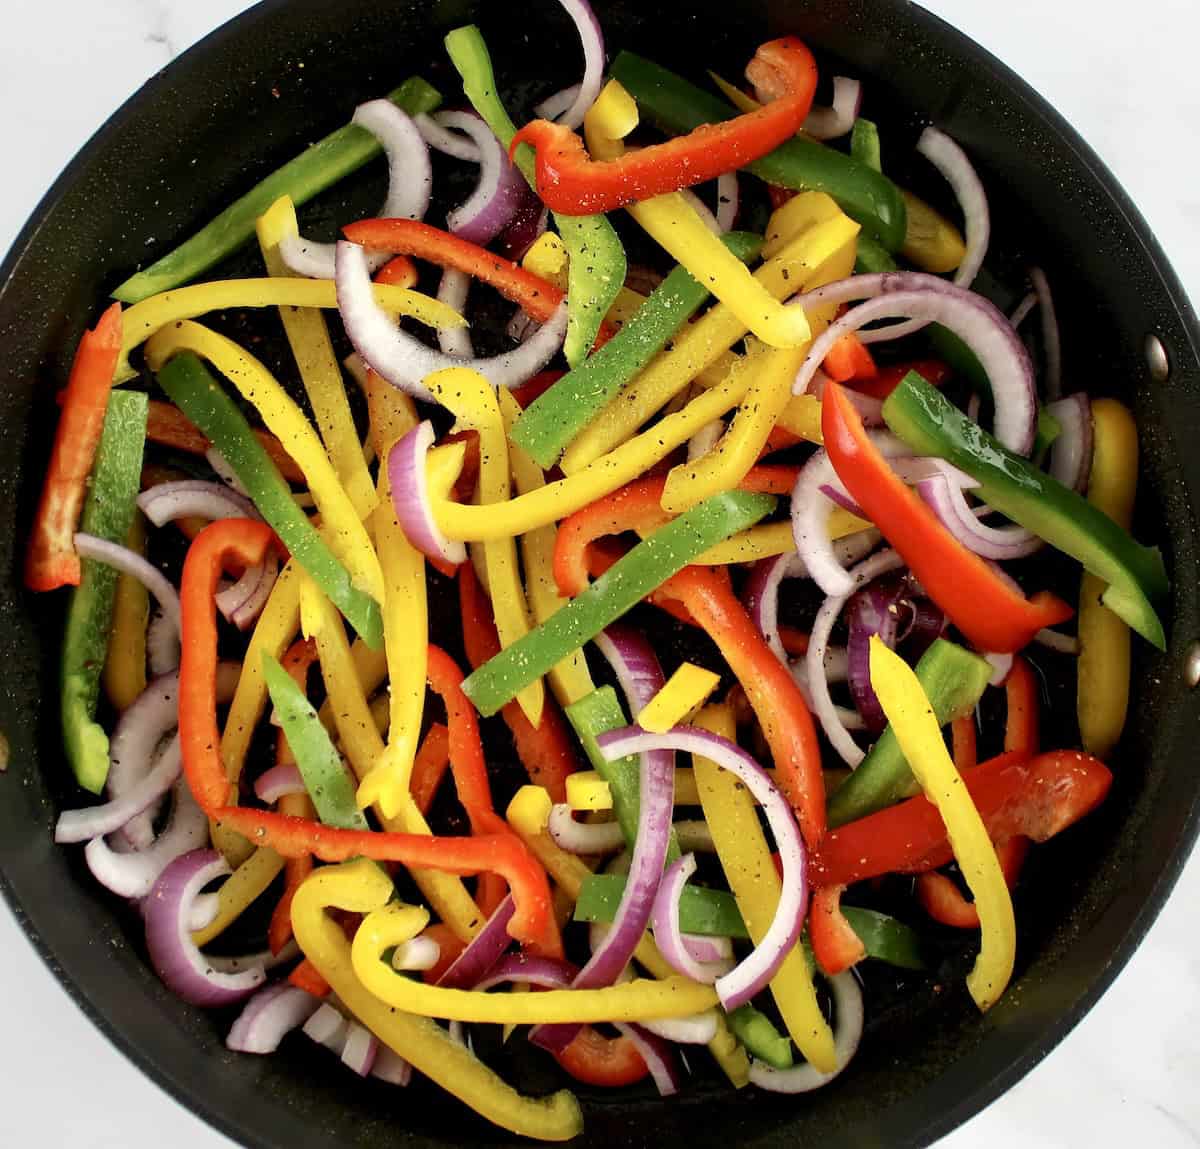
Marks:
<point>472,401</point>
<point>549,260</point>
<point>931,241</point>
<point>319,371</point>
<point>910,714</point>
<point>802,416</point>
<point>586,790</point>
<point>144,319</point>
<point>739,99</point>
<point>360,886</point>
<point>241,889</point>
<point>683,692</point>
<point>570,679</point>
<point>342,526</point>
<point>125,663</point>
<point>1104,640</point>
<point>746,859</point>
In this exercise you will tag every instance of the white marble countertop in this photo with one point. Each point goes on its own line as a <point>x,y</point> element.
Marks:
<point>1128,1073</point>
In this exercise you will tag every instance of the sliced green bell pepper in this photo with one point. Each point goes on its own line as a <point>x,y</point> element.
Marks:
<point>647,566</point>
<point>596,272</point>
<point>864,144</point>
<point>550,422</point>
<point>107,513</point>
<point>1135,574</point>
<point>310,173</point>
<point>755,1030</point>
<point>678,106</point>
<point>317,759</point>
<point>872,257</point>
<point>954,679</point>
<point>194,390</point>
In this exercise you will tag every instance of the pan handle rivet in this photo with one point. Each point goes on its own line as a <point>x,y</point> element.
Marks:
<point>1191,666</point>
<point>1157,360</point>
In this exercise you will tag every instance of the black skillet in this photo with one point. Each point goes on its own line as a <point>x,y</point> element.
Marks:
<point>287,72</point>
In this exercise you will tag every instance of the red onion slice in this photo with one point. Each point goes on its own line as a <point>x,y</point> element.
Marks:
<point>131,563</point>
<point>1071,452</point>
<point>1022,310</point>
<point>849,720</point>
<point>269,1016</point>
<point>557,103</point>
<point>1051,339</point>
<point>175,957</point>
<point>265,958</point>
<point>484,951</point>
<point>847,1033</point>
<point>754,973</point>
<point>583,837</point>
<point>187,498</point>
<point>391,1068</point>
<point>410,496</point>
<point>403,360</point>
<point>818,642</point>
<point>278,782</point>
<point>243,601</point>
<point>699,1029</point>
<point>526,969</point>
<point>527,227</point>
<point>708,948</point>
<point>659,1057</point>
<point>225,472</point>
<point>634,662</point>
<point>876,610</point>
<point>360,1049</point>
<point>410,186</point>
<point>419,953</point>
<point>945,498</point>
<point>592,38</point>
<point>728,200</point>
<point>666,926</point>
<point>1059,643</point>
<point>705,440</point>
<point>162,645</point>
<point>702,210</point>
<point>1001,665</point>
<point>449,143</point>
<point>500,191</point>
<point>975,320</point>
<point>949,159</point>
<point>328,1027</point>
<point>838,119</point>
<point>453,291</point>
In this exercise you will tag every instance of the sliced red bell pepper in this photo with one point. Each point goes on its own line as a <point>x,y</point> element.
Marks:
<point>1021,732</point>
<point>986,608</point>
<point>450,946</point>
<point>780,439</point>
<point>430,766</point>
<point>536,387</point>
<point>503,854</point>
<point>963,736</point>
<point>835,944</point>
<point>1035,797</point>
<point>546,751</point>
<point>464,485</point>
<point>306,977</point>
<point>609,1062</point>
<point>887,379</point>
<point>943,901</point>
<point>795,641</point>
<point>569,181</point>
<point>51,561</point>
<point>247,541</point>
<point>400,271</point>
<point>849,359</point>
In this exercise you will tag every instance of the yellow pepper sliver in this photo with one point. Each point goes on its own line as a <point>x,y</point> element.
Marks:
<point>912,720</point>
<point>125,663</point>
<point>682,693</point>
<point>586,790</point>
<point>361,886</point>
<point>243,887</point>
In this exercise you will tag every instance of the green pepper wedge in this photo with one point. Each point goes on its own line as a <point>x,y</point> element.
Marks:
<point>864,144</point>
<point>678,106</point>
<point>596,272</point>
<point>317,759</point>
<point>755,1030</point>
<point>546,427</point>
<point>954,679</point>
<point>310,173</point>
<point>194,390</point>
<point>108,514</point>
<point>1135,574</point>
<point>648,565</point>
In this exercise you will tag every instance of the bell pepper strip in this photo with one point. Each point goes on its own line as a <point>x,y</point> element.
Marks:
<point>636,1000</point>
<point>124,676</point>
<point>943,901</point>
<point>569,679</point>
<point>473,402</point>
<point>864,143</point>
<point>545,750</point>
<point>835,945</point>
<point>430,766</point>
<point>241,890</point>
<point>684,692</point>
<point>342,523</point>
<point>649,564</point>
<point>320,166</point>
<point>1135,574</point>
<point>399,271</point>
<point>320,373</point>
<point>758,1034</point>
<point>550,422</point>
<point>1103,668</point>
<point>849,359</point>
<point>746,861</point>
<point>887,379</point>
<point>590,791</point>
<point>609,1062</point>
<point>405,613</point>
<point>931,241</point>
<point>676,105</point>
<point>954,680</point>
<point>1021,694</point>
<point>146,319</point>
<point>911,716</point>
<point>319,762</point>
<point>193,388</point>
<point>570,182</point>
<point>990,611</point>
<point>805,262</point>
<point>963,738</point>
<point>801,418</point>
<point>51,561</point>
<point>548,257</point>
<point>419,1040</point>
<point>170,427</point>
<point>108,512</point>
<point>597,264</point>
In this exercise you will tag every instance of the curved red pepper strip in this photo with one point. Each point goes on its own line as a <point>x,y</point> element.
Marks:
<point>989,611</point>
<point>400,271</point>
<point>943,901</point>
<point>849,359</point>
<point>450,945</point>
<point>569,181</point>
<point>1021,693</point>
<point>608,1062</point>
<point>246,541</point>
<point>430,766</point>
<point>503,854</point>
<point>546,751</point>
<point>1035,797</point>
<point>51,560</point>
<point>887,379</point>
<point>835,944</point>
<point>964,742</point>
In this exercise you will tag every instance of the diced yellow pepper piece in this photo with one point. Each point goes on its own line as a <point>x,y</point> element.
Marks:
<point>685,691</point>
